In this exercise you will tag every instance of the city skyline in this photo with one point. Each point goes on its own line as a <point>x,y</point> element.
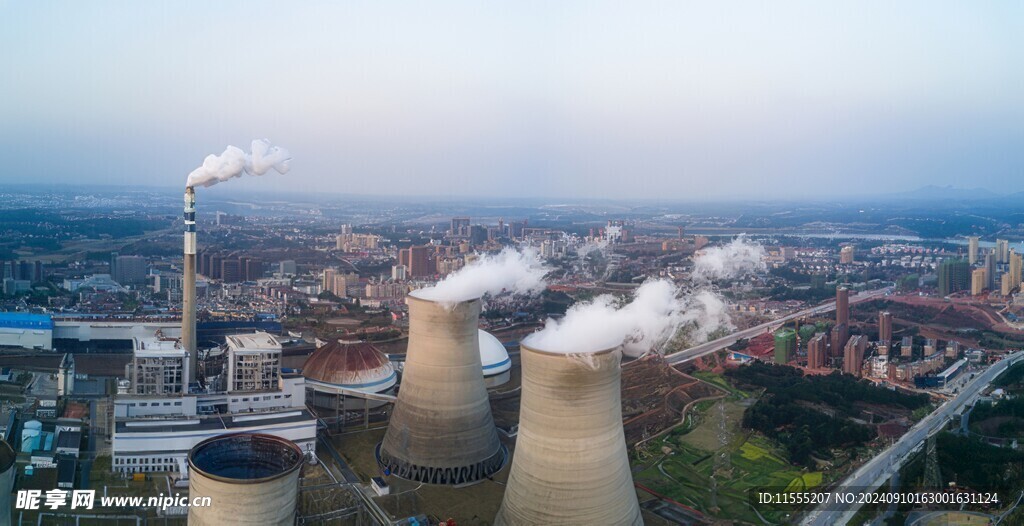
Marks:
<point>658,101</point>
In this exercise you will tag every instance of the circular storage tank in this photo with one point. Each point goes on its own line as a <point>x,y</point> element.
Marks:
<point>348,366</point>
<point>250,479</point>
<point>7,471</point>
<point>494,359</point>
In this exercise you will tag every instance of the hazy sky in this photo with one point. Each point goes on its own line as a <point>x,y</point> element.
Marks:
<point>668,99</point>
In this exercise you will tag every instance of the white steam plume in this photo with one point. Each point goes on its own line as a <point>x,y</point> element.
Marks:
<point>650,319</point>
<point>705,314</point>
<point>508,271</point>
<point>233,162</point>
<point>735,259</point>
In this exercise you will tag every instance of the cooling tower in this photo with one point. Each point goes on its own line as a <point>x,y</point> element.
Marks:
<point>570,465</point>
<point>7,472</point>
<point>441,430</point>
<point>188,293</point>
<point>250,479</point>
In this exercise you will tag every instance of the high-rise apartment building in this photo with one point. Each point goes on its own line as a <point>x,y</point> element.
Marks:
<point>1016,266</point>
<point>972,249</point>
<point>853,355</point>
<point>977,281</point>
<point>460,226</point>
<point>1002,251</point>
<point>817,352</point>
<point>846,255</point>
<point>842,306</point>
<point>327,283</point>
<point>907,347</point>
<point>954,276</point>
<point>420,263</point>
<point>785,345</point>
<point>990,271</point>
<point>885,327</point>
<point>230,270</point>
<point>130,270</point>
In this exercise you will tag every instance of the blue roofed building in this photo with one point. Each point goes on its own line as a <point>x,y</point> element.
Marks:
<point>27,331</point>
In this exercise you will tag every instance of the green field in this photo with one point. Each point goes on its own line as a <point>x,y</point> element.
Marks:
<point>680,465</point>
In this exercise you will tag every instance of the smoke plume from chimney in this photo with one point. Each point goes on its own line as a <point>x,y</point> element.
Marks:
<point>234,162</point>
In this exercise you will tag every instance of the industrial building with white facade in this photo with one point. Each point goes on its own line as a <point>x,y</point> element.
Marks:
<point>161,415</point>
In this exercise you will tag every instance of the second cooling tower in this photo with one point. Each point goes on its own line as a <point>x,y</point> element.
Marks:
<point>570,465</point>
<point>441,430</point>
<point>250,478</point>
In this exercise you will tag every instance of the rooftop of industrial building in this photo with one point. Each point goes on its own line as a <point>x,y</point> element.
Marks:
<point>257,341</point>
<point>72,439</point>
<point>212,422</point>
<point>158,345</point>
<point>25,320</point>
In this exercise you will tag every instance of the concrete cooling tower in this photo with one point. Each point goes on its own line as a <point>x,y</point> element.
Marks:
<point>250,479</point>
<point>570,465</point>
<point>7,472</point>
<point>441,430</point>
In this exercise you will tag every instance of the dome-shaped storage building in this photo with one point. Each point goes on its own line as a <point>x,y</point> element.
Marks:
<point>494,359</point>
<point>345,369</point>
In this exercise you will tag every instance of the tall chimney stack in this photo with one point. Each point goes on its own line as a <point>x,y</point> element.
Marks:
<point>188,298</point>
<point>570,465</point>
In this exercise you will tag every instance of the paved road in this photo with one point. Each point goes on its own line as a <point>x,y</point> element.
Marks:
<point>877,470</point>
<point>721,343</point>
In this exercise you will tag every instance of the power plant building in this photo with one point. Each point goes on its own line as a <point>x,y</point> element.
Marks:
<point>570,465</point>
<point>242,389</point>
<point>159,366</point>
<point>254,362</point>
<point>27,331</point>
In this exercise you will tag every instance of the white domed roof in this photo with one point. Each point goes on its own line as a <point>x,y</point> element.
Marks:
<point>493,355</point>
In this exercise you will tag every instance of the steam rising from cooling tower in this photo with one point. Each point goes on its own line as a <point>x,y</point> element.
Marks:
<point>234,162</point>
<point>733,260</point>
<point>508,271</point>
<point>651,317</point>
<point>441,430</point>
<point>570,465</point>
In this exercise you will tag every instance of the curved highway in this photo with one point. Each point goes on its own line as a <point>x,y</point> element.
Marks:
<point>877,470</point>
<point>721,343</point>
